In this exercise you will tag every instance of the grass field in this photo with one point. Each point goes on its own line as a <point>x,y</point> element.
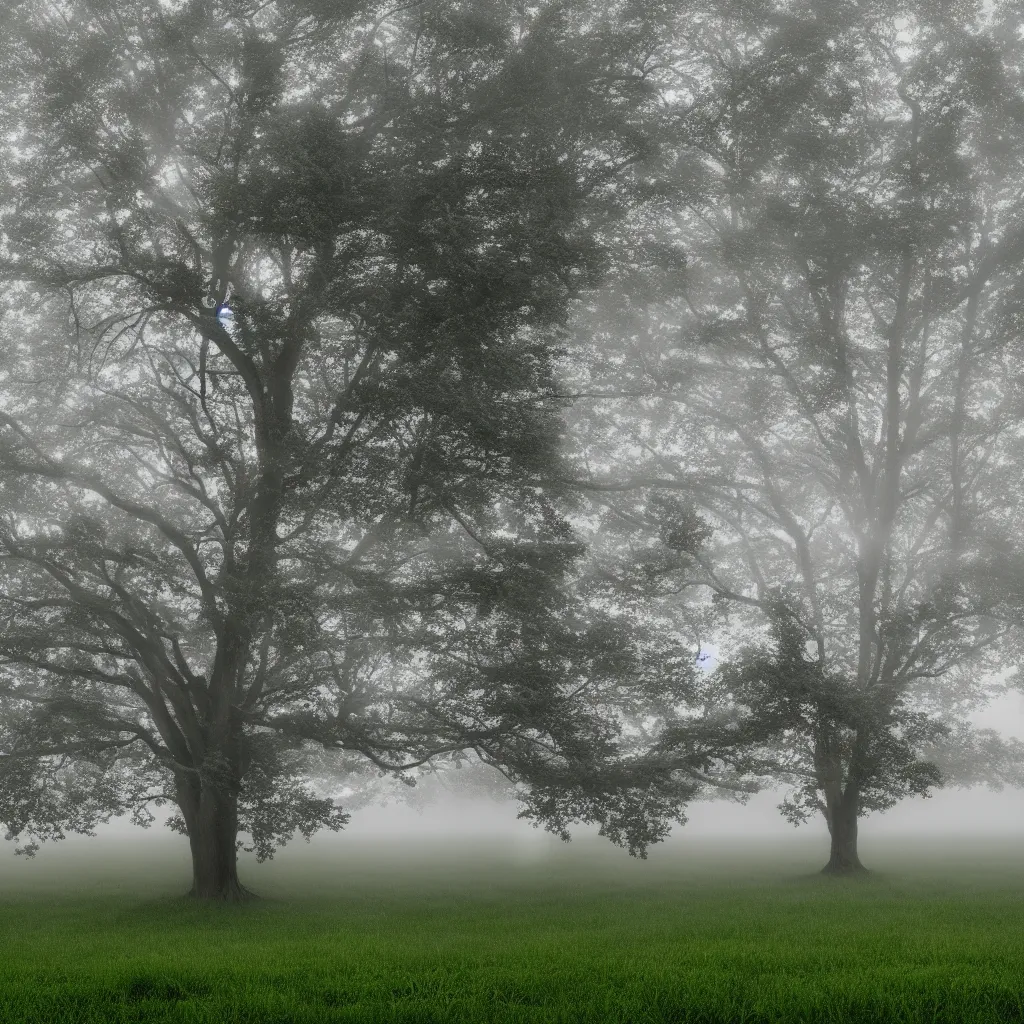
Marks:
<point>935,934</point>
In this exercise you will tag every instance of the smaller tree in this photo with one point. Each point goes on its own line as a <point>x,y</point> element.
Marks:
<point>831,378</point>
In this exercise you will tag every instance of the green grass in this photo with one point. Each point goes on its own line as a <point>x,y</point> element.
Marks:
<point>705,937</point>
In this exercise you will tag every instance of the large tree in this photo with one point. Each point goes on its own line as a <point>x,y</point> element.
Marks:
<point>224,544</point>
<point>830,375</point>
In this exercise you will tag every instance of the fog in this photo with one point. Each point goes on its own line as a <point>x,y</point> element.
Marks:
<point>462,833</point>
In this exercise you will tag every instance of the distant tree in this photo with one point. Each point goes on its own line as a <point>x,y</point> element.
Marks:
<point>828,370</point>
<point>230,540</point>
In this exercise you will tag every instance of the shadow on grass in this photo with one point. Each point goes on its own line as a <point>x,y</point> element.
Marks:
<point>182,900</point>
<point>859,880</point>
<point>142,987</point>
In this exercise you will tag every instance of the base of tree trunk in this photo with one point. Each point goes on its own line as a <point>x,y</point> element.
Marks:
<point>844,869</point>
<point>234,892</point>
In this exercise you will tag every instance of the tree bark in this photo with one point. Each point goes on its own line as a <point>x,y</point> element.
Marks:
<point>211,818</point>
<point>842,827</point>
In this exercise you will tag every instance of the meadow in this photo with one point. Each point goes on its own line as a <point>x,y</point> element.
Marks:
<point>714,934</point>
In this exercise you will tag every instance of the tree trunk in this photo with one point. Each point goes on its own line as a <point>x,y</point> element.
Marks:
<point>211,818</point>
<point>842,827</point>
